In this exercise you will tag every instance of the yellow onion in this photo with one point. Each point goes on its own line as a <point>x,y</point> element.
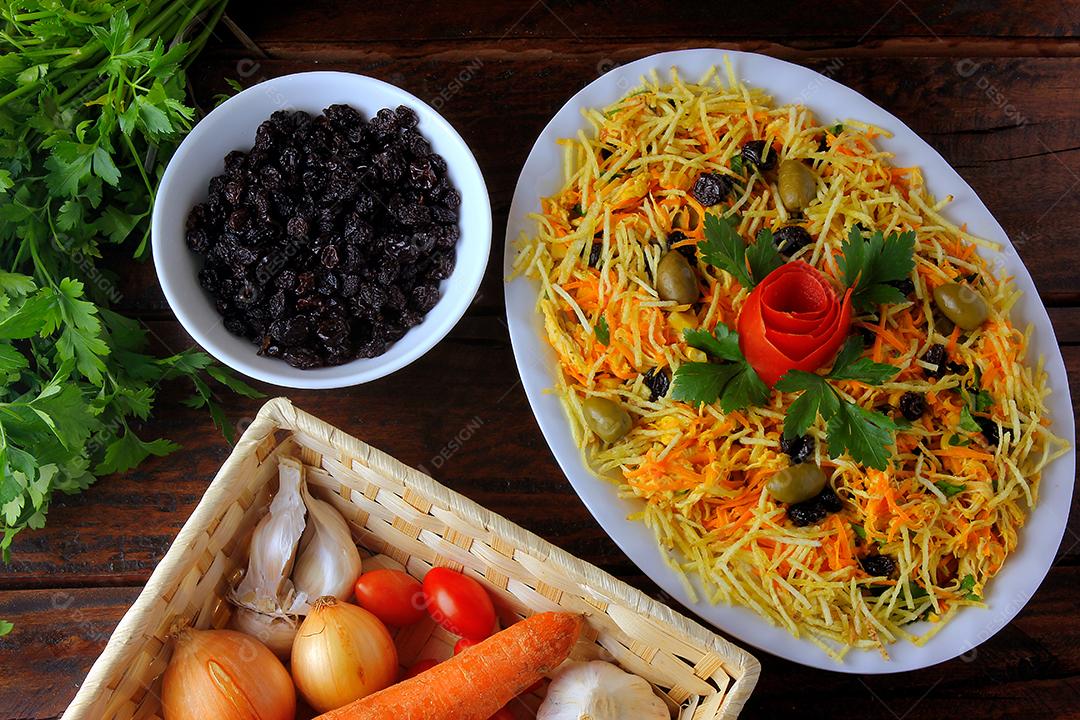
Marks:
<point>341,653</point>
<point>227,675</point>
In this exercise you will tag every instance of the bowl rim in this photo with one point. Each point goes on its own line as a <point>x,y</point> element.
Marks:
<point>286,375</point>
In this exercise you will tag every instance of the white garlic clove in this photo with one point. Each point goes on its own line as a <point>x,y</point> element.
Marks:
<point>266,586</point>
<point>274,631</point>
<point>598,690</point>
<point>328,562</point>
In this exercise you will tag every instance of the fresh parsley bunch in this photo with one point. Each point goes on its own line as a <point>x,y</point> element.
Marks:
<point>92,101</point>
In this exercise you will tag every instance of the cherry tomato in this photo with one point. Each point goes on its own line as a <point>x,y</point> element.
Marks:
<point>503,714</point>
<point>392,596</point>
<point>461,644</point>
<point>418,667</point>
<point>459,604</point>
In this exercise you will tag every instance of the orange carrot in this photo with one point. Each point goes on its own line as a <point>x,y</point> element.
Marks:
<point>474,684</point>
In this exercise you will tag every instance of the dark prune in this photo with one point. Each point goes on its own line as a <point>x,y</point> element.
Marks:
<point>350,284</point>
<point>236,325</point>
<point>442,266</point>
<point>799,449</point>
<point>406,116</point>
<point>332,330</point>
<point>290,332</point>
<point>297,227</point>
<point>687,251</point>
<point>990,430</point>
<point>594,254</point>
<point>912,405</point>
<point>443,216</point>
<point>814,510</point>
<point>328,284</point>
<point>371,295</point>
<point>878,565</point>
<point>754,150</point>
<point>905,286</point>
<point>302,358</point>
<point>424,297</point>
<point>198,240</point>
<point>329,257</point>
<point>711,188</point>
<point>790,239</point>
<point>658,382</point>
<point>935,356</point>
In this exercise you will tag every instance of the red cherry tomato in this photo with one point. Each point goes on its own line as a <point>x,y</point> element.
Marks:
<point>418,667</point>
<point>459,604</point>
<point>503,714</point>
<point>461,644</point>
<point>392,596</point>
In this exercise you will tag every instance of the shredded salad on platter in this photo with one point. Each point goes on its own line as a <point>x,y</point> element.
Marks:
<point>931,439</point>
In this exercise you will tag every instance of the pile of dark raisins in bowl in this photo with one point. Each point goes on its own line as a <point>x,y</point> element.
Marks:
<point>329,239</point>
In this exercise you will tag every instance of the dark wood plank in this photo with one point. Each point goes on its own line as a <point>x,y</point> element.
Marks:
<point>1033,664</point>
<point>602,22</point>
<point>58,634</point>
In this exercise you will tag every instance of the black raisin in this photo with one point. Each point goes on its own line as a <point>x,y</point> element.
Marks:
<point>878,565</point>
<point>289,332</point>
<point>754,150</point>
<point>935,356</point>
<point>799,449</point>
<point>302,358</point>
<point>905,286</point>
<point>814,510</point>
<point>990,430</point>
<point>912,405</point>
<point>790,239</point>
<point>805,513</point>
<point>594,254</point>
<point>711,188</point>
<point>658,382</point>
<point>424,297</point>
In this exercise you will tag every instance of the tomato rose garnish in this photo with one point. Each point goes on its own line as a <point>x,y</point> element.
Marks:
<point>792,320</point>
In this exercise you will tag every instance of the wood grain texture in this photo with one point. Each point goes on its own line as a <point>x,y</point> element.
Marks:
<point>1007,119</point>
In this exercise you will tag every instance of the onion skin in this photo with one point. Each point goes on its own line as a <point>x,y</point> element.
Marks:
<point>227,675</point>
<point>341,653</point>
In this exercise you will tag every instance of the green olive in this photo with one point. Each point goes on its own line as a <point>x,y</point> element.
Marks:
<point>965,307</point>
<point>606,418</point>
<point>675,279</point>
<point>798,186</point>
<point>797,483</point>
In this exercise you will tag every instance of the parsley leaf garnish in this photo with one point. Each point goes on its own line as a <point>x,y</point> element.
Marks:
<point>603,333</point>
<point>967,422</point>
<point>725,248</point>
<point>967,585</point>
<point>948,489</point>
<point>863,434</point>
<point>734,383</point>
<point>869,264</point>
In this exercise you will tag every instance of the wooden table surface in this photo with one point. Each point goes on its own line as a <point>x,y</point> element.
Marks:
<point>995,87</point>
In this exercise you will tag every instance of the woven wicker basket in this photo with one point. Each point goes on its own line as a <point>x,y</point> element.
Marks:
<point>401,517</point>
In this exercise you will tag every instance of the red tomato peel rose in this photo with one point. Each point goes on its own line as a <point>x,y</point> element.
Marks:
<point>793,320</point>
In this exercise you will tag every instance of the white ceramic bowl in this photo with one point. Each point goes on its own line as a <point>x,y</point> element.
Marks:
<point>231,126</point>
<point>788,83</point>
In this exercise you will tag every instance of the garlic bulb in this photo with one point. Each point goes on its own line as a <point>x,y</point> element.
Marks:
<point>266,587</point>
<point>274,631</point>
<point>600,691</point>
<point>328,562</point>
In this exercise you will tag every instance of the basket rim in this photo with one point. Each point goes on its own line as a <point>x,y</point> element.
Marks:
<point>280,414</point>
